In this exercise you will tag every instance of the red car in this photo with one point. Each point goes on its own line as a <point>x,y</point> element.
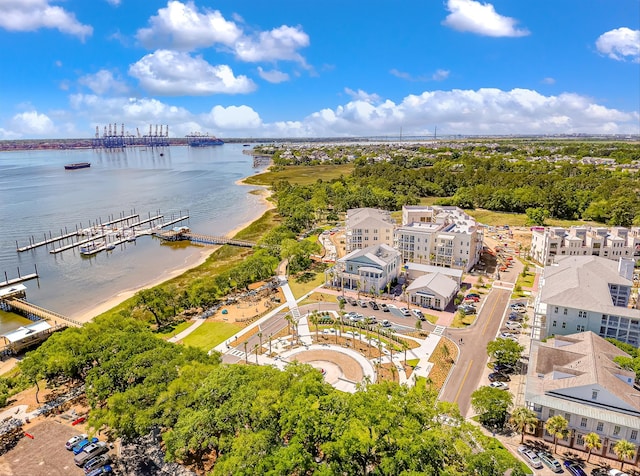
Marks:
<point>472,298</point>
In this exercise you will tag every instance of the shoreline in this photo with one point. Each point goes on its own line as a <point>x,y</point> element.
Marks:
<point>191,262</point>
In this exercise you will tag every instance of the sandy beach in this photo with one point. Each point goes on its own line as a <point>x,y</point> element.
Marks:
<point>194,260</point>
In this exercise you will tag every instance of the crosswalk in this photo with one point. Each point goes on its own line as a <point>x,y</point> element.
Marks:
<point>439,330</point>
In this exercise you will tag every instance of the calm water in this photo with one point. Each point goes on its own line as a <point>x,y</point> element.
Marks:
<point>38,196</point>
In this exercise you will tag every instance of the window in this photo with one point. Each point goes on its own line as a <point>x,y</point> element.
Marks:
<point>599,426</point>
<point>567,416</point>
<point>634,435</point>
<point>551,412</point>
<point>594,395</point>
<point>616,430</point>
<point>564,325</point>
<point>580,328</point>
<point>554,323</point>
<point>583,423</point>
<point>565,311</point>
<point>556,310</point>
<point>582,314</point>
<point>580,440</point>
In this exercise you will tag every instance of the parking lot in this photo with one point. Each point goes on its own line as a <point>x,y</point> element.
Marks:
<point>44,454</point>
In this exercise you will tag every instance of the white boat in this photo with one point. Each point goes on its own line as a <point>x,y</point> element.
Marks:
<point>93,248</point>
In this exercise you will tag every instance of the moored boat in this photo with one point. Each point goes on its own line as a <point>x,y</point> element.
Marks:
<point>92,248</point>
<point>77,165</point>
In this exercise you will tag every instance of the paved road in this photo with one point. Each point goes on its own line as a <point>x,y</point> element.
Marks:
<point>472,362</point>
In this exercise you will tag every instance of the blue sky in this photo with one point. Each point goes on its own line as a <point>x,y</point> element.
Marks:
<point>292,68</point>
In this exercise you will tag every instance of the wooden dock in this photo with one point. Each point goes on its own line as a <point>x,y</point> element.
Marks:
<point>31,310</point>
<point>47,241</point>
<point>204,239</point>
<point>18,280</point>
<point>77,243</point>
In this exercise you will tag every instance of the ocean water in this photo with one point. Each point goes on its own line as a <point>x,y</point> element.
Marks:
<point>38,196</point>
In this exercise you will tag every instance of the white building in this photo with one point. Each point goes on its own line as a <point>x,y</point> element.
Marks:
<point>368,270</point>
<point>367,227</point>
<point>575,376</point>
<point>587,293</point>
<point>433,291</point>
<point>415,270</point>
<point>612,243</point>
<point>441,236</point>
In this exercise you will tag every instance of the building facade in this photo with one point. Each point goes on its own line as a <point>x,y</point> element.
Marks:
<point>587,293</point>
<point>611,243</point>
<point>576,377</point>
<point>368,270</point>
<point>440,236</point>
<point>366,227</point>
<point>432,291</point>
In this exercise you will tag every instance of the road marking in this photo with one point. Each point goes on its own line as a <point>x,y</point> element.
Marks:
<point>466,374</point>
<point>484,329</point>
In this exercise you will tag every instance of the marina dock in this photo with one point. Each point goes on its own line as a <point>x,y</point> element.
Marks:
<point>203,239</point>
<point>19,279</point>
<point>76,244</point>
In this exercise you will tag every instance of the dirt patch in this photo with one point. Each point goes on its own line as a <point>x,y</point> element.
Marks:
<point>348,366</point>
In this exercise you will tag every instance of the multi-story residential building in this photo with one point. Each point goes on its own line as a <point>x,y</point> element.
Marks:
<point>440,236</point>
<point>367,227</point>
<point>587,293</point>
<point>612,243</point>
<point>368,270</point>
<point>575,376</point>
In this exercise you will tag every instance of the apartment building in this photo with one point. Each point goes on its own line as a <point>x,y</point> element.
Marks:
<point>611,243</point>
<point>440,236</point>
<point>575,376</point>
<point>366,227</point>
<point>587,293</point>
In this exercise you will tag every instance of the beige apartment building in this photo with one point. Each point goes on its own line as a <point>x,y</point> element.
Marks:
<point>366,227</point>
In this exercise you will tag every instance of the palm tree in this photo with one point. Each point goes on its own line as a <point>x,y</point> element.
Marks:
<point>246,356</point>
<point>255,348</point>
<point>624,450</point>
<point>592,442</point>
<point>260,337</point>
<point>314,320</point>
<point>405,346</point>
<point>524,420</point>
<point>557,426</point>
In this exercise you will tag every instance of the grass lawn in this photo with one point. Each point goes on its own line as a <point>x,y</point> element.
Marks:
<point>210,334</point>
<point>302,285</point>
<point>168,333</point>
<point>301,174</point>
<point>462,320</point>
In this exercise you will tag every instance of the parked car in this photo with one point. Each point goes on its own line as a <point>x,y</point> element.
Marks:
<point>362,303</point>
<point>107,469</point>
<point>503,368</point>
<point>341,299</point>
<point>373,305</point>
<point>518,305</point>
<point>499,385</point>
<point>599,472</point>
<point>508,335</point>
<point>371,320</point>
<point>78,447</point>
<point>352,301</point>
<point>74,440</point>
<point>513,325</point>
<point>97,462</point>
<point>405,312</point>
<point>548,459</point>
<point>386,323</point>
<point>467,309</point>
<point>616,472</point>
<point>530,456</point>
<point>574,468</point>
<point>473,295</point>
<point>384,307</point>
<point>91,451</point>
<point>418,313</point>
<point>472,298</point>
<point>516,317</point>
<point>499,377</point>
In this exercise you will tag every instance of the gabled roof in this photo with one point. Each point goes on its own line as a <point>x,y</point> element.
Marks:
<point>436,282</point>
<point>378,254</point>
<point>584,360</point>
<point>582,282</point>
<point>357,215</point>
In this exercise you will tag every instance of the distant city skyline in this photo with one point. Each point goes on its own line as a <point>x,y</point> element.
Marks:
<point>304,69</point>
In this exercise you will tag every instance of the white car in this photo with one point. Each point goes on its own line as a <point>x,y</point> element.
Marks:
<point>513,325</point>
<point>508,335</point>
<point>500,385</point>
<point>74,440</point>
<point>405,312</point>
<point>418,313</point>
<point>530,457</point>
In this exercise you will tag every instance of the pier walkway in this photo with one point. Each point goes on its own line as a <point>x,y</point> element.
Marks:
<point>31,310</point>
<point>204,239</point>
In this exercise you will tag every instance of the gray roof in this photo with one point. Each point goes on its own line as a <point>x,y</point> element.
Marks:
<point>436,282</point>
<point>582,282</point>
<point>429,268</point>
<point>356,215</point>
<point>582,361</point>
<point>379,254</point>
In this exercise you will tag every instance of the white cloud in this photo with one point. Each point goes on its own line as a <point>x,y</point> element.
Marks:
<point>115,3</point>
<point>273,76</point>
<point>480,18</point>
<point>361,95</point>
<point>548,80</point>
<point>31,15</point>
<point>232,118</point>
<point>439,75</point>
<point>620,44</point>
<point>181,26</point>
<point>103,82</point>
<point>32,124</point>
<point>278,44</point>
<point>173,73</point>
